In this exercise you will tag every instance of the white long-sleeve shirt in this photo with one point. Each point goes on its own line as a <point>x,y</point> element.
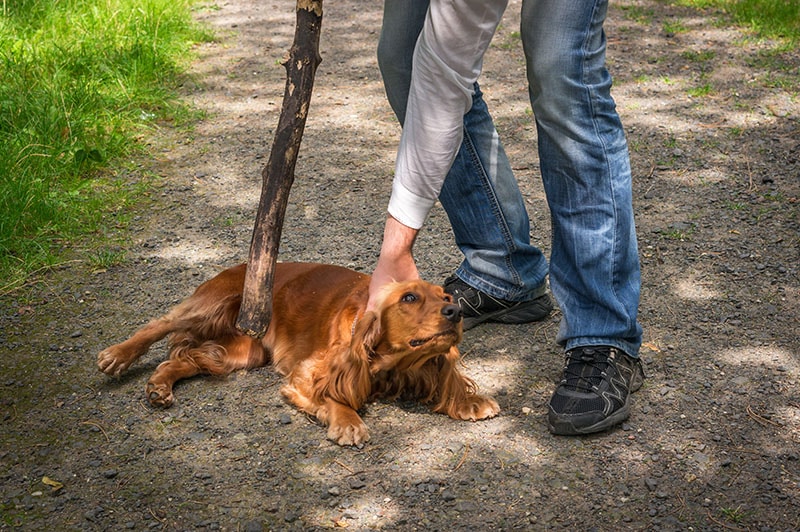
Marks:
<point>447,62</point>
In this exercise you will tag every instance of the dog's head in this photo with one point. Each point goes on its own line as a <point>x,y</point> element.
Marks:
<point>412,322</point>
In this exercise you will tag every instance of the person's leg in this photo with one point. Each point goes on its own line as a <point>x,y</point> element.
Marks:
<point>402,24</point>
<point>487,212</point>
<point>480,194</point>
<point>594,267</point>
<point>594,270</point>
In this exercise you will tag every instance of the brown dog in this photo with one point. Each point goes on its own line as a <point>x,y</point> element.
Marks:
<point>334,355</point>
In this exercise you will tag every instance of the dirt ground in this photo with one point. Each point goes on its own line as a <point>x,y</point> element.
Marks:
<point>713,442</point>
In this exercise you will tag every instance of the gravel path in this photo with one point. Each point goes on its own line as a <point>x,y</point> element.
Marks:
<point>712,444</point>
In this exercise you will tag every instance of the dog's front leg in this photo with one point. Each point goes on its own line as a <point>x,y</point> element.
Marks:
<point>458,398</point>
<point>345,426</point>
<point>474,407</point>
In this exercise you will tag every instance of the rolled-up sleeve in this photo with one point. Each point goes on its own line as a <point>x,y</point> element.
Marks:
<point>447,62</point>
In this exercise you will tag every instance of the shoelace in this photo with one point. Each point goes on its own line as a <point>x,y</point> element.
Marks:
<point>585,369</point>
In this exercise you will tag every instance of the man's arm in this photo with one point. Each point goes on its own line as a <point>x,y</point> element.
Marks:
<point>396,262</point>
<point>447,61</point>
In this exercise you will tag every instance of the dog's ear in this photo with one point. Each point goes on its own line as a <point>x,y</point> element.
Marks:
<point>453,387</point>
<point>349,381</point>
<point>366,335</point>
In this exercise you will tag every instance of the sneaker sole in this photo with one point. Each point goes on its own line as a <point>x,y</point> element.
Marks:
<point>538,310</point>
<point>566,427</point>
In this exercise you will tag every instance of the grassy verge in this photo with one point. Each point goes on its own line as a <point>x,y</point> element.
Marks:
<point>770,18</point>
<point>80,82</point>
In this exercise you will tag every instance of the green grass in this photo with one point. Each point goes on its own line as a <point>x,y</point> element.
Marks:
<point>699,56</point>
<point>700,91</point>
<point>673,27</point>
<point>81,82</point>
<point>734,515</point>
<point>770,18</point>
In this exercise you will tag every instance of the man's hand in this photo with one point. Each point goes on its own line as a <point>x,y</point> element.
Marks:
<point>396,262</point>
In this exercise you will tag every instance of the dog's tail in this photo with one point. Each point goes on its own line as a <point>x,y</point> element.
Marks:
<point>205,335</point>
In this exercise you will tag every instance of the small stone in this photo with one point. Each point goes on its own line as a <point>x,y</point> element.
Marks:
<point>285,419</point>
<point>465,506</point>
<point>356,483</point>
<point>253,526</point>
<point>448,495</point>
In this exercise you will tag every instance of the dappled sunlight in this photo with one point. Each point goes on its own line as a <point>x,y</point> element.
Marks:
<point>694,431</point>
<point>696,289</point>
<point>373,507</point>
<point>192,252</point>
<point>406,456</point>
<point>769,356</point>
<point>716,424</point>
<point>503,365</point>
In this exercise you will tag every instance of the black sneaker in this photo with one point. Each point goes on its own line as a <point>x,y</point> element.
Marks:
<point>593,395</point>
<point>479,307</point>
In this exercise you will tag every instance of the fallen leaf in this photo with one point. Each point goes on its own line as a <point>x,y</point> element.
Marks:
<point>56,485</point>
<point>651,346</point>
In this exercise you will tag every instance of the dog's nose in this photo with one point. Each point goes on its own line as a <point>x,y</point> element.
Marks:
<point>452,312</point>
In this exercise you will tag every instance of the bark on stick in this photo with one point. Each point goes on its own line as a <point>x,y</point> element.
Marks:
<point>278,175</point>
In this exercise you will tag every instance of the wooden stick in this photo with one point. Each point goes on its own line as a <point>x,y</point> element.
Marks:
<point>278,175</point>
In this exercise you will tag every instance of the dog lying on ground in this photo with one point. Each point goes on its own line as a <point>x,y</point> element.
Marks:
<point>334,355</point>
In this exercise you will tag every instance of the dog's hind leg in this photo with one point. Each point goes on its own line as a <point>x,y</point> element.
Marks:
<point>116,359</point>
<point>159,388</point>
<point>187,360</point>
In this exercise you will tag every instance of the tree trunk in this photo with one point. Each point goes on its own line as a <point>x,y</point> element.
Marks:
<point>278,174</point>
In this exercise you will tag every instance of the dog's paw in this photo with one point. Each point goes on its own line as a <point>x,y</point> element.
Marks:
<point>349,434</point>
<point>159,395</point>
<point>113,361</point>
<point>477,407</point>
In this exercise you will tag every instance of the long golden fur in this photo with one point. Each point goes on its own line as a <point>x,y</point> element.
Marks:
<point>334,355</point>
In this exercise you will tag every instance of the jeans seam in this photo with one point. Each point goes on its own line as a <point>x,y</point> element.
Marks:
<point>496,211</point>
<point>592,100</point>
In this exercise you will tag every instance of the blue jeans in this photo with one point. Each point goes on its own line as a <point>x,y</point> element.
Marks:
<point>594,265</point>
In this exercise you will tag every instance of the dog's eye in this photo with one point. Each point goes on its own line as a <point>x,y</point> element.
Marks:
<point>409,298</point>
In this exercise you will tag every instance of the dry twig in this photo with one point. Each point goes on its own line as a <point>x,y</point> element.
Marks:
<point>108,440</point>
<point>760,419</point>
<point>463,457</point>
